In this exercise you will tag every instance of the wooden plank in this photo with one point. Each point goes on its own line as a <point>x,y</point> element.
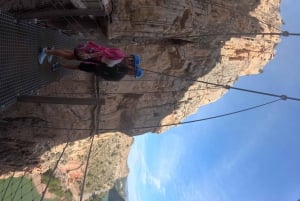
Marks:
<point>60,100</point>
<point>53,13</point>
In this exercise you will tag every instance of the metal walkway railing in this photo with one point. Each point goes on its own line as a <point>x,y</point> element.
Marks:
<point>20,73</point>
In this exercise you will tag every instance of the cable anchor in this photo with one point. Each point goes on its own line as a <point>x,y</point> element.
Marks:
<point>283,97</point>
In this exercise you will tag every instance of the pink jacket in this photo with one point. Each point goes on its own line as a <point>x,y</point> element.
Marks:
<point>110,56</point>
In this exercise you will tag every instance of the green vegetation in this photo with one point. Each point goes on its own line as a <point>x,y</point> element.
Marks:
<point>55,186</point>
<point>101,197</point>
<point>19,188</point>
<point>114,153</point>
<point>105,198</point>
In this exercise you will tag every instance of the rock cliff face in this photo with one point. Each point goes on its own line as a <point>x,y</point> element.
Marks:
<point>198,40</point>
<point>211,41</point>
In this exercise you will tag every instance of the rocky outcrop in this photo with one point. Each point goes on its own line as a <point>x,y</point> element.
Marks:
<point>107,164</point>
<point>181,42</point>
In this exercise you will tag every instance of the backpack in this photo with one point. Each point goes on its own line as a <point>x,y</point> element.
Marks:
<point>110,56</point>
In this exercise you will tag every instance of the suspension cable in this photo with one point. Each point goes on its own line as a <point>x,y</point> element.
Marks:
<point>65,18</point>
<point>282,97</point>
<point>74,20</point>
<point>24,194</point>
<point>239,12</point>
<point>141,93</point>
<point>155,126</point>
<point>9,182</point>
<point>93,131</point>
<point>86,166</point>
<point>18,186</point>
<point>282,33</point>
<point>53,171</point>
<point>95,18</point>
<point>208,118</point>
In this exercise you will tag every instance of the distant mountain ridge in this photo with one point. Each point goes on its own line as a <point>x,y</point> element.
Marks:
<point>113,195</point>
<point>121,187</point>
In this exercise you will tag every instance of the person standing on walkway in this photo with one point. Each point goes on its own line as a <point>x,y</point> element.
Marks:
<point>109,63</point>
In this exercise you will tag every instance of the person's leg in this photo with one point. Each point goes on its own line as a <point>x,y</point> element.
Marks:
<point>66,54</point>
<point>87,67</point>
<point>68,51</point>
<point>57,65</point>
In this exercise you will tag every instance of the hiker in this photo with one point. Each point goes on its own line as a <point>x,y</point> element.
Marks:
<point>115,73</point>
<point>109,63</point>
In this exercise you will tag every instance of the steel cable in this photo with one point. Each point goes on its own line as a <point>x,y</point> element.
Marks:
<point>282,97</point>
<point>54,169</point>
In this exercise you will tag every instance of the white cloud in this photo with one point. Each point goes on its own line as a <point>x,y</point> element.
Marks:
<point>156,183</point>
<point>136,163</point>
<point>230,162</point>
<point>210,186</point>
<point>169,158</point>
<point>164,167</point>
<point>201,190</point>
<point>160,172</point>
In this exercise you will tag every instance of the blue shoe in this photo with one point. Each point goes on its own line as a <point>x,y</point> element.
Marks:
<point>42,56</point>
<point>55,67</point>
<point>50,56</point>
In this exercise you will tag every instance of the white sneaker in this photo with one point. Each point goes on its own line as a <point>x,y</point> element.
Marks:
<point>55,67</point>
<point>42,55</point>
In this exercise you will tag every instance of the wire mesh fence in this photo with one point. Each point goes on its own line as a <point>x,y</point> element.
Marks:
<point>19,70</point>
<point>70,17</point>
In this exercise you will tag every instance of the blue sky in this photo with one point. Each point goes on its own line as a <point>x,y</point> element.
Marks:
<point>252,156</point>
